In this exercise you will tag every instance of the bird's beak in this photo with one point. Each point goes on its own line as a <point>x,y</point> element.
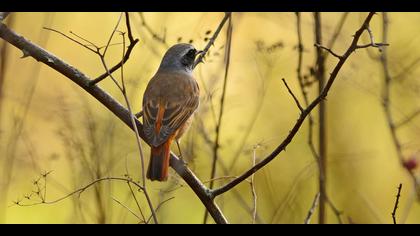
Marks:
<point>199,52</point>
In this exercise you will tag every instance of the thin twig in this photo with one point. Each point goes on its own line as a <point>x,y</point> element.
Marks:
<point>82,189</point>
<point>137,202</point>
<point>408,119</point>
<point>200,58</point>
<point>376,45</point>
<point>293,95</point>
<point>312,209</point>
<point>394,212</point>
<point>337,30</point>
<point>130,47</point>
<point>126,207</point>
<point>372,40</point>
<point>112,34</point>
<point>252,184</point>
<point>337,212</point>
<point>322,119</point>
<point>222,106</point>
<point>158,207</point>
<point>70,38</point>
<point>328,50</point>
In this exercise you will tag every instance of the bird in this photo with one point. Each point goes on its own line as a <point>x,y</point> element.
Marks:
<point>169,102</point>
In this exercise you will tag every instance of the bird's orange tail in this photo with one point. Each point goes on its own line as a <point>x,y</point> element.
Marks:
<point>159,162</point>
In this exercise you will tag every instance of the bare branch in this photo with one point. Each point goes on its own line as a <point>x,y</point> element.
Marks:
<point>126,207</point>
<point>137,202</point>
<point>212,39</point>
<point>328,50</point>
<point>254,193</point>
<point>376,45</point>
<point>293,95</point>
<point>79,191</point>
<point>408,119</point>
<point>320,76</point>
<point>312,209</point>
<point>394,212</point>
<point>112,35</point>
<point>338,29</point>
<point>337,212</point>
<point>159,206</point>
<point>70,38</point>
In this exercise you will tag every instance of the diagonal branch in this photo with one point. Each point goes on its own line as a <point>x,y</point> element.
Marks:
<point>293,95</point>
<point>200,58</point>
<point>312,209</point>
<point>408,119</point>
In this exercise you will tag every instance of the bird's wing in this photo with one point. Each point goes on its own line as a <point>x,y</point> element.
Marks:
<point>166,110</point>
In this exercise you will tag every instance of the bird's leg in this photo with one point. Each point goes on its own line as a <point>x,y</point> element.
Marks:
<point>139,114</point>
<point>180,153</point>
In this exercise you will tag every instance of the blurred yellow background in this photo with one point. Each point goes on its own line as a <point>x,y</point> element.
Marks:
<point>47,123</point>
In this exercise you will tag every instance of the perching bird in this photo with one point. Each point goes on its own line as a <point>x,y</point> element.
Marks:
<point>170,99</point>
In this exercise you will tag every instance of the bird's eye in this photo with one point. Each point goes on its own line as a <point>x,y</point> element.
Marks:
<point>191,53</point>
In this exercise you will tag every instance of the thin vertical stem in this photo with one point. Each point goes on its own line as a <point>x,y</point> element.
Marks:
<point>222,104</point>
<point>322,135</point>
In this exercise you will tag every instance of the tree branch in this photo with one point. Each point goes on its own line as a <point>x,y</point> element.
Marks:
<point>408,119</point>
<point>322,119</point>
<point>397,199</point>
<point>328,50</point>
<point>312,209</point>
<point>293,95</point>
<point>212,39</point>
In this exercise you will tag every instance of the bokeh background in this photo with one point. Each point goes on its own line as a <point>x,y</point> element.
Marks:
<point>49,125</point>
